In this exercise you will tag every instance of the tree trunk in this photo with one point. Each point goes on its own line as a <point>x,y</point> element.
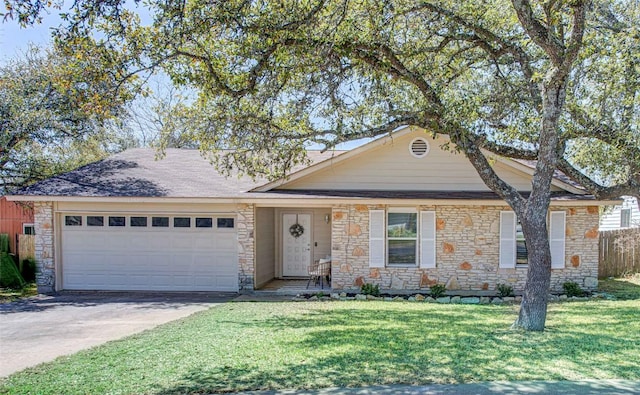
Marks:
<point>533,310</point>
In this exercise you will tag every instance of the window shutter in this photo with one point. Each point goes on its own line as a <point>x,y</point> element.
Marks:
<point>556,238</point>
<point>507,239</point>
<point>376,238</point>
<point>427,239</point>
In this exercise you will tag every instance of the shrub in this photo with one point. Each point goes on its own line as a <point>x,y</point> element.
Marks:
<point>572,289</point>
<point>29,269</point>
<point>438,290</point>
<point>9,275</point>
<point>4,243</point>
<point>505,290</point>
<point>370,289</point>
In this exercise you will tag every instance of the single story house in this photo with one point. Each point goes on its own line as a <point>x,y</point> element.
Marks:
<point>399,211</point>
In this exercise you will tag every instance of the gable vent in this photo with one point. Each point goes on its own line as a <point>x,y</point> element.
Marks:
<point>419,147</point>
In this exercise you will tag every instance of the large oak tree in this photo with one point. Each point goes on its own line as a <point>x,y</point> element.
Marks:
<point>553,81</point>
<point>57,112</point>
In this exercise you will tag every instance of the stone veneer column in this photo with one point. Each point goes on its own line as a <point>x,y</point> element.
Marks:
<point>45,257</point>
<point>246,246</point>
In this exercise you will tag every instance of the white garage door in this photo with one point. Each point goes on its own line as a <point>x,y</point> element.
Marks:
<point>149,252</point>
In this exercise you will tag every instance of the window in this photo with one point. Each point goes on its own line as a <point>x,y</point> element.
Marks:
<point>95,220</point>
<point>117,221</point>
<point>522,257</point>
<point>73,220</point>
<point>160,222</point>
<point>513,250</point>
<point>625,217</point>
<point>138,222</point>
<point>28,229</point>
<point>402,238</point>
<point>204,222</point>
<point>225,222</point>
<point>182,222</point>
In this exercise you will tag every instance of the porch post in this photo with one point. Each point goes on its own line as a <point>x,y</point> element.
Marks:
<point>45,258</point>
<point>246,247</point>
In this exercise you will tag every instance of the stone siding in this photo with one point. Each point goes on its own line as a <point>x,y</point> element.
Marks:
<point>45,247</point>
<point>246,246</point>
<point>467,256</point>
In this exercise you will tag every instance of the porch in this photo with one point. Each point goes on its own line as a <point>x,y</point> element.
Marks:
<point>292,287</point>
<point>287,241</point>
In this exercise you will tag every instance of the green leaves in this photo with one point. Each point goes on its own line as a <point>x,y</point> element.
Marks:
<point>57,111</point>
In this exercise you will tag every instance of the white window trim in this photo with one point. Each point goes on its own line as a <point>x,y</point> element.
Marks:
<point>28,225</point>
<point>402,210</point>
<point>557,246</point>
<point>625,217</point>
<point>507,245</point>
<point>379,240</point>
<point>427,246</point>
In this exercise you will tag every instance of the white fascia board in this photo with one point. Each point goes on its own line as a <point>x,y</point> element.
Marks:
<point>287,201</point>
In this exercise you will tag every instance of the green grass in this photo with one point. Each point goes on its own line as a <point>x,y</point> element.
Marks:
<point>252,346</point>
<point>9,295</point>
<point>627,287</point>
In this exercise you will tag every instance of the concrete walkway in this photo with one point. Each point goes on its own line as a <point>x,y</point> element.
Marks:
<point>42,328</point>
<point>583,387</point>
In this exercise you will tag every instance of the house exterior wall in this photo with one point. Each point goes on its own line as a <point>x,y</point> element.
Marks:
<point>246,246</point>
<point>467,256</point>
<point>265,245</point>
<point>612,219</point>
<point>391,166</point>
<point>12,217</point>
<point>45,247</point>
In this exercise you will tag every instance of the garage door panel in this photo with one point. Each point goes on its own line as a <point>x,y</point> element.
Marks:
<point>225,242</point>
<point>182,241</point>
<point>128,258</point>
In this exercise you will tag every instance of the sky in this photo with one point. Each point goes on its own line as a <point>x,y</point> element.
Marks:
<point>15,40</point>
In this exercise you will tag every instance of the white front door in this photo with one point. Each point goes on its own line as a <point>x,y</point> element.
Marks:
<point>296,251</point>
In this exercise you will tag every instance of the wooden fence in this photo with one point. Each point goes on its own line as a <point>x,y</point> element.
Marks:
<point>619,252</point>
<point>26,246</point>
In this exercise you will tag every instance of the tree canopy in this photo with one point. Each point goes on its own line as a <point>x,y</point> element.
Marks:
<point>56,113</point>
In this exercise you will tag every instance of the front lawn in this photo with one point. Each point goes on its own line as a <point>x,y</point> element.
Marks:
<point>251,346</point>
<point>627,287</point>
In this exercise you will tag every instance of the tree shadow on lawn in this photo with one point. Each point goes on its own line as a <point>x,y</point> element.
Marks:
<point>622,288</point>
<point>349,347</point>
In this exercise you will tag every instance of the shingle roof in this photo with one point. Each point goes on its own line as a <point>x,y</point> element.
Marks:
<point>137,172</point>
<point>185,173</point>
<point>559,175</point>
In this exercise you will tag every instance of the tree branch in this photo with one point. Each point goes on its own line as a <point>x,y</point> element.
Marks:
<point>538,33</point>
<point>632,188</point>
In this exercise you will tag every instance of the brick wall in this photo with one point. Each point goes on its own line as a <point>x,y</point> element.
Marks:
<point>467,242</point>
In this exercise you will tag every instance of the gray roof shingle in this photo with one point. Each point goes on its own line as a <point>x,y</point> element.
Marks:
<point>137,172</point>
<point>185,173</point>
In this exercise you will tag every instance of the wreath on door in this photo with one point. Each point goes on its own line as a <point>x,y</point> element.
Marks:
<point>296,230</point>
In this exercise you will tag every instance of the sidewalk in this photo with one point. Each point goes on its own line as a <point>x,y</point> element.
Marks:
<point>583,387</point>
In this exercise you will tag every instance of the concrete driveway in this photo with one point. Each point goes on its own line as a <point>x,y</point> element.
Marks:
<point>42,328</point>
